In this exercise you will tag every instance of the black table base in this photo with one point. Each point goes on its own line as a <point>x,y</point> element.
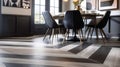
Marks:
<point>73,38</point>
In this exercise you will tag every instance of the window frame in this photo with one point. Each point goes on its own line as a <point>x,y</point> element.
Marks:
<point>47,8</point>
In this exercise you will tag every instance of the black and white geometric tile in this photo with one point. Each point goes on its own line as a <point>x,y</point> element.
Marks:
<point>15,53</point>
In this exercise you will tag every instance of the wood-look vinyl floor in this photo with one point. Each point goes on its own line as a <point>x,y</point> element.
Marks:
<point>34,52</point>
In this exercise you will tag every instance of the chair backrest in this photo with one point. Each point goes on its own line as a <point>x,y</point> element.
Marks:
<point>104,20</point>
<point>73,20</point>
<point>49,21</point>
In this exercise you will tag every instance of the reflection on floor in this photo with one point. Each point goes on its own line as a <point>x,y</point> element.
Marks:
<point>34,52</point>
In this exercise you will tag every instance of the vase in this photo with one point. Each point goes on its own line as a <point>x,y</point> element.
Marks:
<point>80,9</point>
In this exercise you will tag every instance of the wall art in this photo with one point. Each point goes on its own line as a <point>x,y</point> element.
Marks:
<point>17,3</point>
<point>108,4</point>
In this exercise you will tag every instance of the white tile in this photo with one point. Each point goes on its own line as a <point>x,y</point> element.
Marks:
<point>70,46</point>
<point>2,65</point>
<point>113,58</point>
<point>86,53</point>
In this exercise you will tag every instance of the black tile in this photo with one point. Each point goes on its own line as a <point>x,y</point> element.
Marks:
<point>101,54</point>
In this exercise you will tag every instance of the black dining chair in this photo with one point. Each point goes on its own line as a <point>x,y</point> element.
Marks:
<point>99,26</point>
<point>73,20</point>
<point>91,24</point>
<point>51,24</point>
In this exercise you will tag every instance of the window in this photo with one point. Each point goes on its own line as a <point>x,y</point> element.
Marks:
<point>40,7</point>
<point>54,6</point>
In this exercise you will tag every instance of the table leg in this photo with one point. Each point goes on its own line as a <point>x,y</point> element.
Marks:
<point>109,26</point>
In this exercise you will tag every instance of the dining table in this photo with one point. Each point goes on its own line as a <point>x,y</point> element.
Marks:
<point>85,16</point>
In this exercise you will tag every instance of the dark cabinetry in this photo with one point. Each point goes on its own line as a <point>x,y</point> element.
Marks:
<point>14,25</point>
<point>23,25</point>
<point>8,25</point>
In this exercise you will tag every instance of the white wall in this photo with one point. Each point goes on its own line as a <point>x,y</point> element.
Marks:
<point>15,11</point>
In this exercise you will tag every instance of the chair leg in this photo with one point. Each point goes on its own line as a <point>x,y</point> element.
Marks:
<point>96,33</point>
<point>79,35</point>
<point>81,32</point>
<point>92,33</point>
<point>52,35</point>
<point>68,31</point>
<point>87,28</point>
<point>88,32</point>
<point>59,30</point>
<point>55,34</point>
<point>66,34</point>
<point>102,35</point>
<point>46,33</point>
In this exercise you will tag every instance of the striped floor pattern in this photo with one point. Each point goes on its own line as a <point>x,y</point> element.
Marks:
<point>36,53</point>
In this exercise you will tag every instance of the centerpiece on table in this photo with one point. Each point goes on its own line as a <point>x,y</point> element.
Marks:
<point>77,4</point>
